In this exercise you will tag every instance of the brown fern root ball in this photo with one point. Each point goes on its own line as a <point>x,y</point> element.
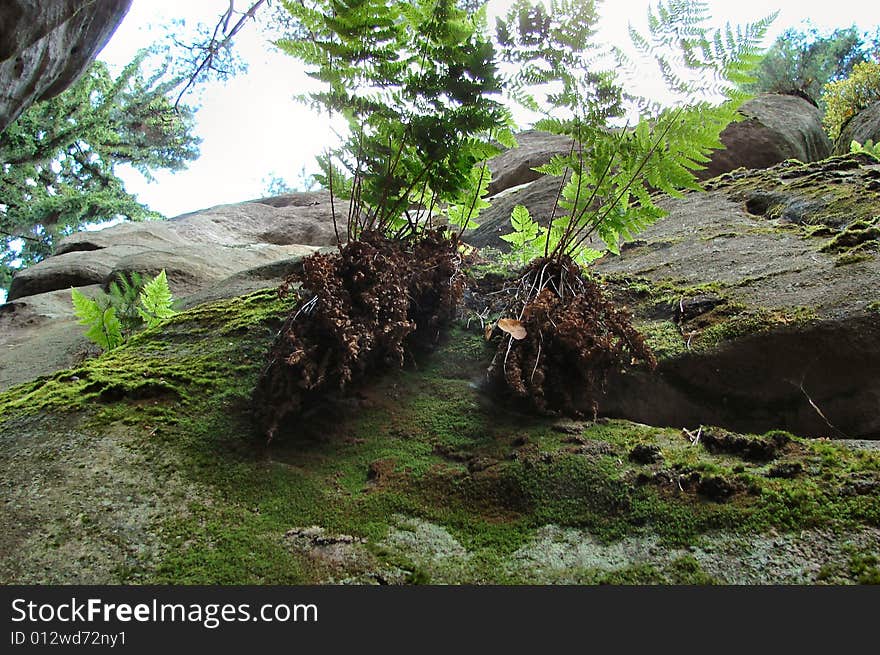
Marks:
<point>570,336</point>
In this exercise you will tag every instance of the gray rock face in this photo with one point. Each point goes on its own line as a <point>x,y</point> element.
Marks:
<point>196,250</point>
<point>791,338</point>
<point>38,335</point>
<point>46,44</point>
<point>515,166</point>
<point>863,127</point>
<point>777,127</point>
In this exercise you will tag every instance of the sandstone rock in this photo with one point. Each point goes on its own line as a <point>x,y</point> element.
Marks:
<point>196,249</point>
<point>792,329</point>
<point>297,218</point>
<point>777,127</point>
<point>38,335</point>
<point>191,268</point>
<point>221,252</point>
<point>46,44</point>
<point>44,325</point>
<point>148,234</point>
<point>863,127</point>
<point>72,269</point>
<point>514,167</point>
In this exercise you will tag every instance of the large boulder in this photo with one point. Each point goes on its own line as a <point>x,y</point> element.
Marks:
<point>516,165</point>
<point>45,45</point>
<point>762,297</point>
<point>197,250</point>
<point>863,127</point>
<point>775,128</point>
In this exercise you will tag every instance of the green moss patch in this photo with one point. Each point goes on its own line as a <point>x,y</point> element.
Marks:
<point>423,475</point>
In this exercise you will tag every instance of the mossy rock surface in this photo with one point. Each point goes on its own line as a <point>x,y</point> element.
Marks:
<point>143,465</point>
<point>758,295</point>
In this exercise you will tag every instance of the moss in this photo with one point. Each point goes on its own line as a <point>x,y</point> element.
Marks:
<point>426,442</point>
<point>874,306</point>
<point>860,566</point>
<point>859,237</point>
<point>196,352</point>
<point>865,568</point>
<point>744,322</point>
<point>852,258</point>
<point>663,338</point>
<point>834,192</point>
<point>671,291</point>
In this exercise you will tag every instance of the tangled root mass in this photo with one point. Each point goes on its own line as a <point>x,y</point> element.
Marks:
<point>360,310</point>
<point>574,337</point>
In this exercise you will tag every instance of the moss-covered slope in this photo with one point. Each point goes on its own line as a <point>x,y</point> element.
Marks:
<point>142,465</point>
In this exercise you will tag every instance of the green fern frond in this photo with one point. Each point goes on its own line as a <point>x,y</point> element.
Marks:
<point>156,301</point>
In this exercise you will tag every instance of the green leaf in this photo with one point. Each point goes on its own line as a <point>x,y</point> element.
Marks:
<point>104,328</point>
<point>156,301</point>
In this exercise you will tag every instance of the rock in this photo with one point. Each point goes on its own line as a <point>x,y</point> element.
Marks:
<point>147,234</point>
<point>192,268</point>
<point>776,127</point>
<point>296,218</point>
<point>222,252</point>
<point>45,45</point>
<point>38,335</point>
<point>196,249</point>
<point>793,344</point>
<point>515,166</point>
<point>44,325</point>
<point>73,269</point>
<point>863,127</point>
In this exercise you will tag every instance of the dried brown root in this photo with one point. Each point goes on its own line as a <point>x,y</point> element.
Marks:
<point>360,310</point>
<point>568,337</point>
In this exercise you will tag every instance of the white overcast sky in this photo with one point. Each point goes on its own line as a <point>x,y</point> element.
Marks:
<point>251,127</point>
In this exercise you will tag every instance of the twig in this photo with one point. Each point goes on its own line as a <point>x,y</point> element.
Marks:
<point>816,407</point>
<point>215,44</point>
<point>19,236</point>
<point>695,438</point>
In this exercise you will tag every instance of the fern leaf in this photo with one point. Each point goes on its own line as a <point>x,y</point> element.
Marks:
<point>156,301</point>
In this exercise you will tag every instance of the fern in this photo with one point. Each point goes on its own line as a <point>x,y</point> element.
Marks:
<point>155,301</point>
<point>524,236</point>
<point>413,81</point>
<point>869,148</point>
<point>112,317</point>
<point>609,176</point>
<point>103,325</point>
<point>123,297</point>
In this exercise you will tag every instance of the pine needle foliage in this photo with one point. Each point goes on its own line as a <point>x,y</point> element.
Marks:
<point>414,82</point>
<point>608,177</point>
<point>59,159</point>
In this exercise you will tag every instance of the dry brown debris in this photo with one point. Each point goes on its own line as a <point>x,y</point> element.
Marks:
<point>360,310</point>
<point>574,337</point>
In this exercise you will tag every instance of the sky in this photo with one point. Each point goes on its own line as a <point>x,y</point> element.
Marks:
<point>252,128</point>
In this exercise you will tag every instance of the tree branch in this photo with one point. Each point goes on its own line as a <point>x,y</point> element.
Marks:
<point>216,43</point>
